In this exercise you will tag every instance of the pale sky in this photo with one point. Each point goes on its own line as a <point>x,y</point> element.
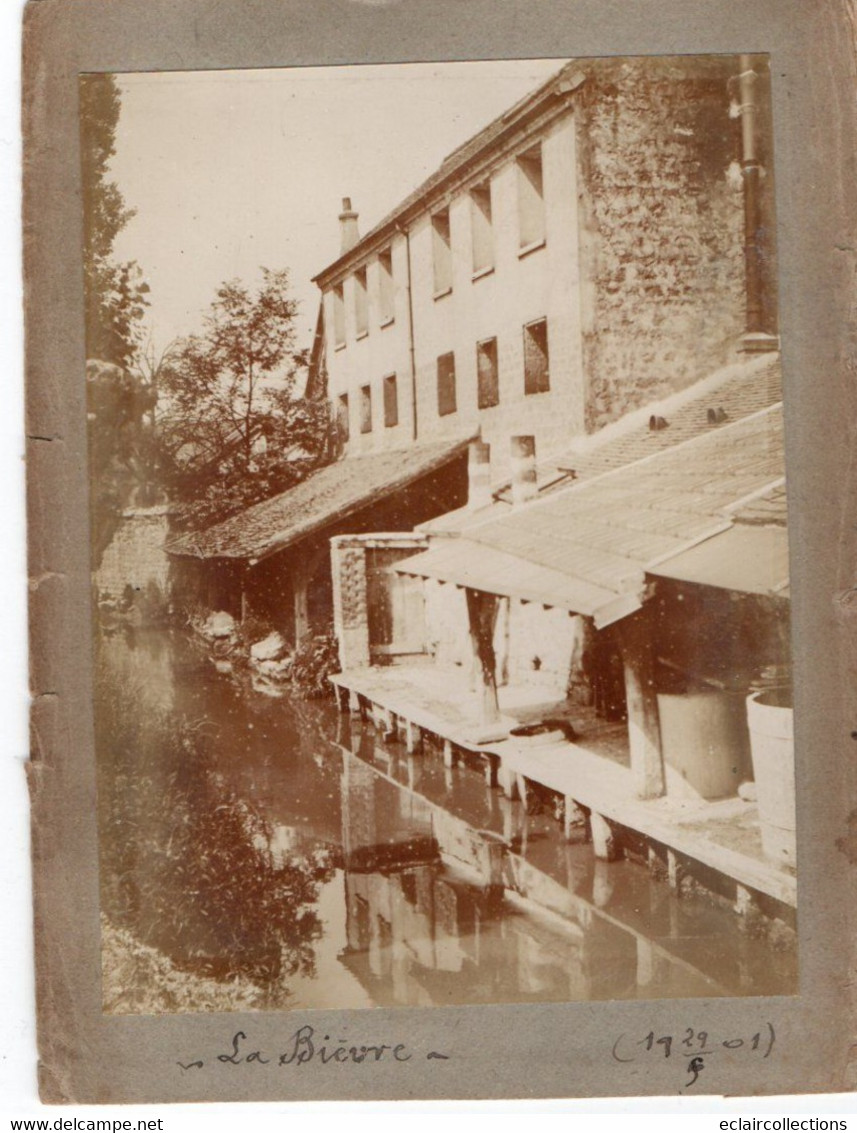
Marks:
<point>234,170</point>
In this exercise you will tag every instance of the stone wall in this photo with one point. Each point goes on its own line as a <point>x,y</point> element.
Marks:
<point>135,557</point>
<point>661,229</point>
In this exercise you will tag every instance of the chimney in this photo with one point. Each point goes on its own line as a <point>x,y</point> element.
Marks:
<point>478,475</point>
<point>349,234</point>
<point>524,486</point>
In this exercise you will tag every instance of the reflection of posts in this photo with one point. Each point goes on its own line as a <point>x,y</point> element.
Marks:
<point>359,824</point>
<point>482,618</point>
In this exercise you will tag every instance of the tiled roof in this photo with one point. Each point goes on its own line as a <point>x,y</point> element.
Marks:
<point>606,532</point>
<point>330,494</point>
<point>768,510</point>
<point>737,391</point>
<point>731,394</point>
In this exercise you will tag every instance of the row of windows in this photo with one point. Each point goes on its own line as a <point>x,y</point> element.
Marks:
<point>536,370</point>
<point>536,380</point>
<point>361,300</point>
<point>531,222</point>
<point>531,233</point>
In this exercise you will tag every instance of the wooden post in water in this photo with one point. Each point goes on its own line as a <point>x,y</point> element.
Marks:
<point>644,728</point>
<point>573,820</point>
<point>413,737</point>
<point>300,586</point>
<point>604,841</point>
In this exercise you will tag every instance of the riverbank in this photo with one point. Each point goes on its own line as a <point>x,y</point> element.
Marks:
<point>265,851</point>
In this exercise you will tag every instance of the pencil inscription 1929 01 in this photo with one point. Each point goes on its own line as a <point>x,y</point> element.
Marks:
<point>693,1045</point>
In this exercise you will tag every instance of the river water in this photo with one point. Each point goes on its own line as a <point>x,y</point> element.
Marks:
<point>267,852</point>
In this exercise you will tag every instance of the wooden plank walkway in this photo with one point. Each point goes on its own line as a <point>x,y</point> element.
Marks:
<point>722,836</point>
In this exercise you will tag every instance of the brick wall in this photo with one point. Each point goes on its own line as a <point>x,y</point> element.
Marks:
<point>661,229</point>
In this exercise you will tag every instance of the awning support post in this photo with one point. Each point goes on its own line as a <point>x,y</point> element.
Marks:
<point>644,729</point>
<point>302,574</point>
<point>482,618</point>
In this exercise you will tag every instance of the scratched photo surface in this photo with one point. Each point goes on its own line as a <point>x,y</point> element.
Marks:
<point>439,549</point>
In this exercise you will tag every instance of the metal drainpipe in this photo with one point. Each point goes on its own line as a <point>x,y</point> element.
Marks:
<point>751,171</point>
<point>404,232</point>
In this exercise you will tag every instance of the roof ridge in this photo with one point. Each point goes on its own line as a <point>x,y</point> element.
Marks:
<point>625,425</point>
<point>681,446</point>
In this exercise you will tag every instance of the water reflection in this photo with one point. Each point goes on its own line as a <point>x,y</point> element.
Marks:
<point>278,845</point>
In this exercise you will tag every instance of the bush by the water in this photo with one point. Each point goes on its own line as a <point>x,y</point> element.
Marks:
<point>186,865</point>
<point>314,662</point>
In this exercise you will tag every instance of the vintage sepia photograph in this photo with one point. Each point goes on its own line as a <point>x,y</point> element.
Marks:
<point>439,549</point>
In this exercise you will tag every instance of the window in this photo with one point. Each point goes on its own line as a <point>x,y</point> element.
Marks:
<point>488,388</point>
<point>481,228</point>
<point>343,426</point>
<point>442,252</point>
<point>391,402</point>
<point>446,384</point>
<point>386,293</point>
<point>531,199</point>
<point>365,409</point>
<point>536,373</point>
<point>361,304</point>
<point>338,316</point>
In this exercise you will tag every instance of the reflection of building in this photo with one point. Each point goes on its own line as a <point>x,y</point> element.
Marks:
<point>414,927</point>
<point>438,912</point>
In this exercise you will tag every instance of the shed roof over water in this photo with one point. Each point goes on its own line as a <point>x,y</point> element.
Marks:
<point>328,495</point>
<point>598,539</point>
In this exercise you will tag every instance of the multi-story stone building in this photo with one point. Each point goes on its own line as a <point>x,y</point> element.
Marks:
<point>604,244</point>
<point>585,253</point>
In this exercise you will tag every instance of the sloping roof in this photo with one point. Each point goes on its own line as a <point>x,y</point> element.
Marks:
<point>465,563</point>
<point>608,531</point>
<point>750,559</point>
<point>738,390</point>
<point>766,510</point>
<point>330,494</point>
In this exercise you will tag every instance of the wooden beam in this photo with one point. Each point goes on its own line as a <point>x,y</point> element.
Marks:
<point>482,618</point>
<point>508,781</point>
<point>300,591</point>
<point>644,729</point>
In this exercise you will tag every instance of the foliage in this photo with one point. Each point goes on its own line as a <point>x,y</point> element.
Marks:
<point>120,444</point>
<point>140,980</point>
<point>315,660</point>
<point>114,293</point>
<point>233,428</point>
<point>121,448</point>
<point>186,865</point>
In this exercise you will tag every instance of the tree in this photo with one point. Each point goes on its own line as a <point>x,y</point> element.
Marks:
<point>120,442</point>
<point>233,428</point>
<point>114,301</point>
<point>114,293</point>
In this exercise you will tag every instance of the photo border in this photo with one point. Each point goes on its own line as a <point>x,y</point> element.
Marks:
<point>491,1051</point>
